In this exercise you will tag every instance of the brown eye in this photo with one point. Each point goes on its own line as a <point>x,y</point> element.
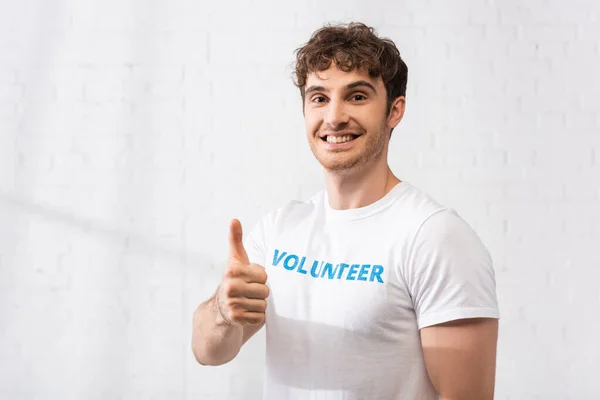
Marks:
<point>318,99</point>
<point>359,97</point>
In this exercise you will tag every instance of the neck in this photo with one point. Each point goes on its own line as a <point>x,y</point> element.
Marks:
<point>360,188</point>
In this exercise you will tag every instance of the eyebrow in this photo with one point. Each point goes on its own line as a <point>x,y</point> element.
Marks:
<point>350,86</point>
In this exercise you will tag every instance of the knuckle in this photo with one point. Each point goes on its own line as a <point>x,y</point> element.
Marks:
<point>230,303</point>
<point>260,272</point>
<point>229,289</point>
<point>263,276</point>
<point>237,316</point>
<point>233,271</point>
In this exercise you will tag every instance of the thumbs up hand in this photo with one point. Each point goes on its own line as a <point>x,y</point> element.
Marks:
<point>241,297</point>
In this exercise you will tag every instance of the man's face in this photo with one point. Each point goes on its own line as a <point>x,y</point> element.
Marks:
<point>345,115</point>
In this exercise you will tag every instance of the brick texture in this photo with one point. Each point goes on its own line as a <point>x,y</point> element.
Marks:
<point>132,132</point>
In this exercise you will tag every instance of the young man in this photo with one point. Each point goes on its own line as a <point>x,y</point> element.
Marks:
<point>370,289</point>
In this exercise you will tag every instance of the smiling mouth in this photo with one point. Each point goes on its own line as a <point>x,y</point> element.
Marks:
<point>339,139</point>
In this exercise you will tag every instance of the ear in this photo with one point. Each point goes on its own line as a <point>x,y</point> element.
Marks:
<point>396,112</point>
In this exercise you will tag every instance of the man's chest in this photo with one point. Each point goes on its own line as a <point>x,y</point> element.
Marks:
<point>352,284</point>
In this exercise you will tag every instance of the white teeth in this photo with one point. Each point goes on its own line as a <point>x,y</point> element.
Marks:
<point>339,139</point>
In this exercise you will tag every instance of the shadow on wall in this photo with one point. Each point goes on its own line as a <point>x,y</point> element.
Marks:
<point>130,240</point>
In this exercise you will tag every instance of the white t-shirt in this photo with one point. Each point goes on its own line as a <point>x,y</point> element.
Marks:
<point>350,290</point>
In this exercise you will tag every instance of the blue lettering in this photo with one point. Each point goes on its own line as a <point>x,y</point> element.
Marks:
<point>376,273</point>
<point>300,266</point>
<point>328,269</point>
<point>321,269</point>
<point>286,263</point>
<point>364,270</point>
<point>278,260</point>
<point>342,268</point>
<point>313,270</point>
<point>352,272</point>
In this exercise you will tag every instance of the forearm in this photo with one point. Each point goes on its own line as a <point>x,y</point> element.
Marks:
<point>214,341</point>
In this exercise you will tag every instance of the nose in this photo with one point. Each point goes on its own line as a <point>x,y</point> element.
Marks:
<point>336,115</point>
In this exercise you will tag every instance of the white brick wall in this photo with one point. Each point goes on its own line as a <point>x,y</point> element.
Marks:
<point>132,132</point>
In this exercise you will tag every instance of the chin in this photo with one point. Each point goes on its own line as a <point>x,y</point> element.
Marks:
<point>338,162</point>
<point>345,165</point>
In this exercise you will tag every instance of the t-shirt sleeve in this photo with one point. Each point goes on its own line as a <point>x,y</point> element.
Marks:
<point>450,273</point>
<point>255,243</point>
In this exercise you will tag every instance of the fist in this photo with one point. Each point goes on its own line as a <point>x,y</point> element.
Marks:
<point>241,297</point>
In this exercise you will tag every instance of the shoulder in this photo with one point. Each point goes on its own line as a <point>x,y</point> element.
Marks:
<point>416,210</point>
<point>445,235</point>
<point>431,223</point>
<point>446,226</point>
<point>420,204</point>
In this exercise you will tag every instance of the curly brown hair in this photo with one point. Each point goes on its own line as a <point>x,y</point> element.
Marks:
<point>350,46</point>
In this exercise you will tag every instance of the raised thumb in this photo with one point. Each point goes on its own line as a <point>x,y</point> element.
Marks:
<point>237,251</point>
